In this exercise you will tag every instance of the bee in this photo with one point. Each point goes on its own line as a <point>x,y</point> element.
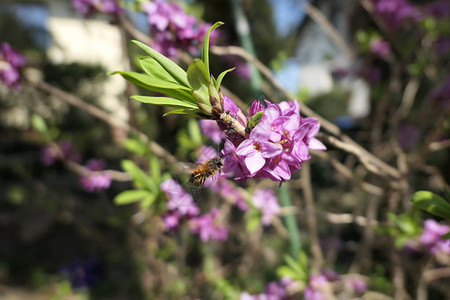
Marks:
<point>203,171</point>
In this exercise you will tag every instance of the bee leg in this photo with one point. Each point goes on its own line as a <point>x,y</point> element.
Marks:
<point>202,181</point>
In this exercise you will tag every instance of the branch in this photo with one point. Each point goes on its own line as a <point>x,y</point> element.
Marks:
<point>104,116</point>
<point>328,28</point>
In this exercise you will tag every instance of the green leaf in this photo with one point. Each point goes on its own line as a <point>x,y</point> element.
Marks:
<point>221,76</point>
<point>432,203</point>
<point>447,193</point>
<point>154,69</point>
<point>141,179</point>
<point>148,200</point>
<point>303,260</point>
<point>135,146</point>
<point>254,120</point>
<point>197,75</point>
<point>157,85</point>
<point>195,134</point>
<point>182,111</point>
<point>172,68</point>
<point>155,168</point>
<point>293,264</point>
<point>130,196</point>
<point>164,101</point>
<point>205,48</point>
<point>38,124</point>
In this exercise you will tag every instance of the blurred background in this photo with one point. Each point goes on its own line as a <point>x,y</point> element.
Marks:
<point>376,69</point>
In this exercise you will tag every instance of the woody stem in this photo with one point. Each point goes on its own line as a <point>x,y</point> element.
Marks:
<point>234,124</point>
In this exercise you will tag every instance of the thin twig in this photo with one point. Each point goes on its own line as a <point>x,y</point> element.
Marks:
<point>107,118</point>
<point>311,218</point>
<point>328,28</point>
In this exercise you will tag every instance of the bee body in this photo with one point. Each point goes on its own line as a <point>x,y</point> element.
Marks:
<point>205,170</point>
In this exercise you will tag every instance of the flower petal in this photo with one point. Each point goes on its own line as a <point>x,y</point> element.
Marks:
<point>255,162</point>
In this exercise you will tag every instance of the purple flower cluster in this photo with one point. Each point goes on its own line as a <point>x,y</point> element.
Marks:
<point>432,237</point>
<point>212,131</point>
<point>10,64</point>
<point>315,288</point>
<point>208,228</point>
<point>87,7</point>
<point>97,180</point>
<point>395,12</point>
<point>275,147</point>
<point>62,151</point>
<point>274,291</point>
<point>438,9</point>
<point>181,204</point>
<point>266,201</point>
<point>173,29</point>
<point>223,187</point>
<point>380,48</point>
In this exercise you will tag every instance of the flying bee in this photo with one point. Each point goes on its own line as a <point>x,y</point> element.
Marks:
<point>203,171</point>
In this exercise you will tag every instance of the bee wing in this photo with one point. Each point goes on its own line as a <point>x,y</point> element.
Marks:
<point>189,167</point>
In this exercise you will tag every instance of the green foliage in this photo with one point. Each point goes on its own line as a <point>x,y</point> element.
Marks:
<point>170,68</point>
<point>254,120</point>
<point>296,269</point>
<point>190,91</point>
<point>136,146</point>
<point>405,226</point>
<point>253,219</point>
<point>148,187</point>
<point>432,203</point>
<point>205,47</point>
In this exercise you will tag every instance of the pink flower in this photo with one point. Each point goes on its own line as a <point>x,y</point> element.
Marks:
<point>171,220</point>
<point>207,227</point>
<point>49,154</point>
<point>273,291</point>
<point>173,29</point>
<point>432,237</point>
<point>314,289</point>
<point>212,131</point>
<point>10,64</point>
<point>275,147</point>
<point>97,180</point>
<point>394,12</point>
<point>179,200</point>
<point>257,148</point>
<point>223,187</point>
<point>267,203</point>
<point>380,48</point>
<point>87,7</point>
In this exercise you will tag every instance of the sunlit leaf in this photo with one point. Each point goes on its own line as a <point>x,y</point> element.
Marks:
<point>172,68</point>
<point>182,111</point>
<point>153,68</point>
<point>164,101</point>
<point>142,180</point>
<point>432,203</point>
<point>130,196</point>
<point>205,47</point>
<point>38,123</point>
<point>148,200</point>
<point>220,78</point>
<point>197,75</point>
<point>158,85</point>
<point>155,168</point>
